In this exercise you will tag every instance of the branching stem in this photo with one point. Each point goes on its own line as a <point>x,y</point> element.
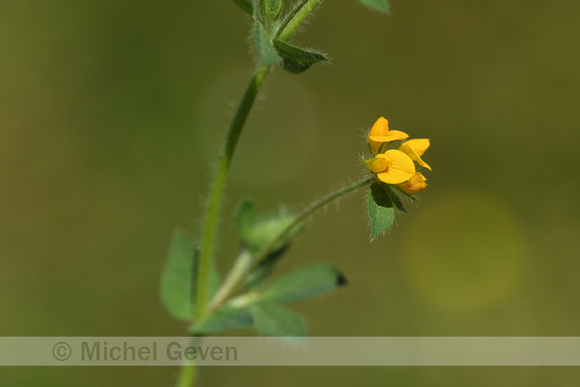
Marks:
<point>241,270</point>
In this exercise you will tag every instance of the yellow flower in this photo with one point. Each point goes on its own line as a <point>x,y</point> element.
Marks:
<point>380,134</point>
<point>392,167</point>
<point>415,149</point>
<point>414,185</point>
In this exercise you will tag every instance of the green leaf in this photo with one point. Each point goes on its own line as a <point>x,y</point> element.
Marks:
<point>378,5</point>
<point>245,218</point>
<point>267,228</point>
<point>263,46</point>
<point>295,59</point>
<point>225,318</point>
<point>258,232</point>
<point>178,290</point>
<point>177,278</point>
<point>307,282</point>
<point>273,320</point>
<point>395,198</point>
<point>246,5</point>
<point>270,9</point>
<point>380,209</point>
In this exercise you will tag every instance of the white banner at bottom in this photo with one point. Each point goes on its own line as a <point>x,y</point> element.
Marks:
<point>310,351</point>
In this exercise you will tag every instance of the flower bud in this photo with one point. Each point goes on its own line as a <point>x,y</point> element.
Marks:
<point>414,185</point>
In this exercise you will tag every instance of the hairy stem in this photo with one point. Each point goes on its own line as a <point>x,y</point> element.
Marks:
<point>218,185</point>
<point>293,20</point>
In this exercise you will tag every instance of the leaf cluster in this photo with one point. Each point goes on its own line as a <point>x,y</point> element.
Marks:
<point>270,31</point>
<point>265,239</point>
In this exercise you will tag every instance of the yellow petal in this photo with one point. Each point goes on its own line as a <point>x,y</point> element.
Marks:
<point>393,176</point>
<point>380,127</point>
<point>375,145</point>
<point>415,148</point>
<point>400,161</point>
<point>400,170</point>
<point>378,164</point>
<point>380,134</point>
<point>419,145</point>
<point>391,135</point>
<point>414,185</point>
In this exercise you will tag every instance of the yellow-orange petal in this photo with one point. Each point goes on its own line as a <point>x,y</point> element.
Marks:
<point>415,149</point>
<point>380,127</point>
<point>380,134</point>
<point>400,170</point>
<point>414,185</point>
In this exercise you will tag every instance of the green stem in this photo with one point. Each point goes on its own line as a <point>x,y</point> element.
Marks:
<point>287,28</point>
<point>243,265</point>
<point>306,213</point>
<point>187,378</point>
<point>218,185</point>
<point>189,368</point>
<point>237,272</point>
<point>295,18</point>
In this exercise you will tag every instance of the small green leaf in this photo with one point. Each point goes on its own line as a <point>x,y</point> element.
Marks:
<point>380,209</point>
<point>263,46</point>
<point>225,318</point>
<point>307,282</point>
<point>245,218</point>
<point>178,290</point>
<point>295,59</point>
<point>268,228</point>
<point>270,9</point>
<point>378,5</point>
<point>246,5</point>
<point>259,232</point>
<point>395,198</point>
<point>177,279</point>
<point>273,320</point>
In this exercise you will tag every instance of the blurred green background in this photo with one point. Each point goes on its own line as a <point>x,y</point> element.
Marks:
<point>111,113</point>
